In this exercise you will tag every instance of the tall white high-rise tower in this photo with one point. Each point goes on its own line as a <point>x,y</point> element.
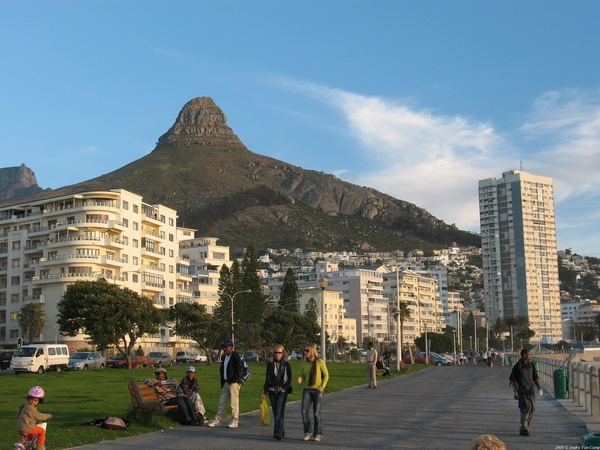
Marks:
<point>518,239</point>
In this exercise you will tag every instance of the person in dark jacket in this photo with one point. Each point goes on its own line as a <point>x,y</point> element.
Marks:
<point>277,386</point>
<point>523,378</point>
<point>231,379</point>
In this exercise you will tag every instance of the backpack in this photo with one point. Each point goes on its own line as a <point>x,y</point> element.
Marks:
<point>114,423</point>
<point>245,371</point>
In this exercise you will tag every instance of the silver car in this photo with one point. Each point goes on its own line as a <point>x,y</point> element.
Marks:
<point>86,361</point>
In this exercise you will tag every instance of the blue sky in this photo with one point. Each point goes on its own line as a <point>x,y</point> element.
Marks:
<point>418,99</point>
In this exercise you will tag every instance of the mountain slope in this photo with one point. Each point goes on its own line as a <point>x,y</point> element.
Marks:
<point>203,170</point>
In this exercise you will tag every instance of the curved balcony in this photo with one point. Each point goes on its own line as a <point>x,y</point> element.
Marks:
<point>62,259</point>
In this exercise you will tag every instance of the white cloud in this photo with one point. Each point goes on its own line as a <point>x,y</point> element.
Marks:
<point>435,161</point>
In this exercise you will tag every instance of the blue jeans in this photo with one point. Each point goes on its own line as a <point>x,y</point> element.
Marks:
<point>278,405</point>
<point>316,398</point>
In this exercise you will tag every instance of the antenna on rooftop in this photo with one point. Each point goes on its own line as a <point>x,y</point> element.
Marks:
<point>521,165</point>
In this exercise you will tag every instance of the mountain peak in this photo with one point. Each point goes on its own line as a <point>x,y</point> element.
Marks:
<point>200,122</point>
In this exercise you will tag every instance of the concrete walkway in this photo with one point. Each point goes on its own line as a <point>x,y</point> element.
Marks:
<point>438,408</point>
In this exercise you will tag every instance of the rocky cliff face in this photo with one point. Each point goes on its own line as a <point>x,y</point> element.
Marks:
<point>200,122</point>
<point>17,182</point>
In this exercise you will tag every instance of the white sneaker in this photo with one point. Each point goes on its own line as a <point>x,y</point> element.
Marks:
<point>307,436</point>
<point>233,424</point>
<point>318,438</point>
<point>214,423</point>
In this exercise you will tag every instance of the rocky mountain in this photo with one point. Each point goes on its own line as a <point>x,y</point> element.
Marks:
<point>17,182</point>
<point>219,187</point>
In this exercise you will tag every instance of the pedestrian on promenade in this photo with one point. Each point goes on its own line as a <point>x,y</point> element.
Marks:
<point>140,351</point>
<point>190,387</point>
<point>487,442</point>
<point>278,384</point>
<point>371,360</point>
<point>523,378</point>
<point>231,379</point>
<point>314,370</point>
<point>474,356</point>
<point>169,393</point>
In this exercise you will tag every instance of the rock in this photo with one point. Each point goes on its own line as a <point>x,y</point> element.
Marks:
<point>18,182</point>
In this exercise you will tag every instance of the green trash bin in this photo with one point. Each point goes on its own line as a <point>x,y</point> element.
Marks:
<point>535,363</point>
<point>560,384</point>
<point>511,360</point>
<point>590,440</point>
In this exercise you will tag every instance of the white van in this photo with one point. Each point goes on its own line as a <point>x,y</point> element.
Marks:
<point>40,357</point>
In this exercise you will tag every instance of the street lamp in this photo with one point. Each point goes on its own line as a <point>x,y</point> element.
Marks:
<point>231,297</point>
<point>323,283</point>
<point>55,333</point>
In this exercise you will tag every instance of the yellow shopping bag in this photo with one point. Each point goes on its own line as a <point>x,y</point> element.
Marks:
<point>265,413</point>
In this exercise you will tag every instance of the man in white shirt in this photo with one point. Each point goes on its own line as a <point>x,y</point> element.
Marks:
<point>371,359</point>
<point>231,378</point>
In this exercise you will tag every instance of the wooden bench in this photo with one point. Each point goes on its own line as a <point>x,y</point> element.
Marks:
<point>144,399</point>
<point>144,361</point>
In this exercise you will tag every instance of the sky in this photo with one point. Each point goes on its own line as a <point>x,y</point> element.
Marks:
<point>417,99</point>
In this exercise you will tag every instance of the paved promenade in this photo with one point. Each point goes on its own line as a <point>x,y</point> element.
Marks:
<point>438,408</point>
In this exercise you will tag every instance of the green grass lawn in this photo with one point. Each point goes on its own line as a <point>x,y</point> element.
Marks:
<point>77,398</point>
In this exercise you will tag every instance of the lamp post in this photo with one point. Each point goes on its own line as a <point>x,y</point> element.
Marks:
<point>426,347</point>
<point>231,297</point>
<point>454,342</point>
<point>323,284</point>
<point>55,333</point>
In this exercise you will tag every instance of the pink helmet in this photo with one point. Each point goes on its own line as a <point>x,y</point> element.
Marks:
<point>36,392</point>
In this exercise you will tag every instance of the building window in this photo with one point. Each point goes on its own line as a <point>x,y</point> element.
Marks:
<point>170,237</point>
<point>135,209</point>
<point>135,243</point>
<point>125,205</point>
<point>171,269</point>
<point>125,258</point>
<point>170,221</point>
<point>16,245</point>
<point>170,301</point>
<point>14,298</point>
<point>14,315</point>
<point>15,262</point>
<point>170,285</point>
<point>135,226</point>
<point>170,252</point>
<point>15,280</point>
<point>134,277</point>
<point>135,260</point>
<point>14,334</point>
<point>126,223</point>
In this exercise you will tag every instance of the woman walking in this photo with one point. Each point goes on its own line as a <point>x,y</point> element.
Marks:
<point>314,371</point>
<point>277,386</point>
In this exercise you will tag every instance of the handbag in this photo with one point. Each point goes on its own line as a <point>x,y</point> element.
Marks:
<point>265,413</point>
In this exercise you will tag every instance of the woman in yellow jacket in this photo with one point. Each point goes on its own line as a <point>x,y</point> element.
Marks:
<point>314,374</point>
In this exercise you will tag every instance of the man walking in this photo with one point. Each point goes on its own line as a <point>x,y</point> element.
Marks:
<point>523,378</point>
<point>231,378</point>
<point>371,359</point>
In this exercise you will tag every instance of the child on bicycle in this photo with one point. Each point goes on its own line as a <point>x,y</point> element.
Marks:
<point>29,416</point>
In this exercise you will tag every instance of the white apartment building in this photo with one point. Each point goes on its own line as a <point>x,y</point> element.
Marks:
<point>441,275</point>
<point>362,291</point>
<point>518,239</point>
<point>45,245</point>
<point>587,312</point>
<point>206,258</point>
<point>422,296</point>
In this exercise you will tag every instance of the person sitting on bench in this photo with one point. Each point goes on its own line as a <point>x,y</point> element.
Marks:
<point>169,393</point>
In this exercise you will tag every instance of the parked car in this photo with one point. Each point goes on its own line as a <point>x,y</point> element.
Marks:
<point>5,358</point>
<point>163,358</point>
<point>85,361</point>
<point>118,361</point>
<point>200,357</point>
<point>439,360</point>
<point>183,357</point>
<point>295,355</point>
<point>419,358</point>
<point>250,356</point>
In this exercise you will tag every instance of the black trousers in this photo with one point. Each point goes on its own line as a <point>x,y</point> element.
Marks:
<point>186,408</point>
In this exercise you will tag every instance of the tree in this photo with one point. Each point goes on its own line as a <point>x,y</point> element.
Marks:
<point>32,319</point>
<point>250,307</point>
<point>404,313</point>
<point>439,342</point>
<point>499,327</point>
<point>192,321</point>
<point>290,329</point>
<point>311,309</point>
<point>108,314</point>
<point>290,294</point>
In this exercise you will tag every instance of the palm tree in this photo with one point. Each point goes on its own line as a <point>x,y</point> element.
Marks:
<point>597,322</point>
<point>32,319</point>
<point>499,327</point>
<point>403,312</point>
